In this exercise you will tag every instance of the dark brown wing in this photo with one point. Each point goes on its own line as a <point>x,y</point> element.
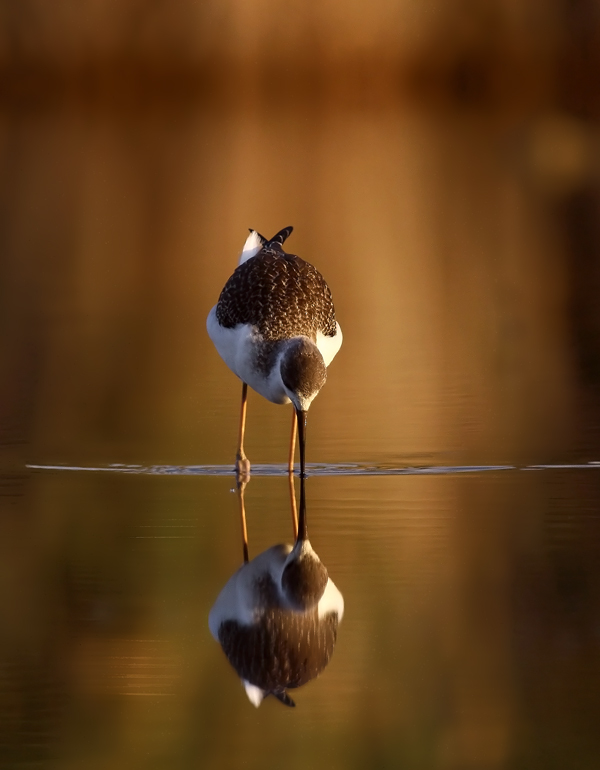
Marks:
<point>280,294</point>
<point>283,649</point>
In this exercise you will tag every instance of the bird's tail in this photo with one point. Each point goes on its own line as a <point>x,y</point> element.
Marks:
<point>255,242</point>
<point>282,235</point>
<point>283,697</point>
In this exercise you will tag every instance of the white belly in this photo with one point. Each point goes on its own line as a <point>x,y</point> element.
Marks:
<point>237,347</point>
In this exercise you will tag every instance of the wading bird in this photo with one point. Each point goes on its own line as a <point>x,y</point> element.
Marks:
<point>275,327</point>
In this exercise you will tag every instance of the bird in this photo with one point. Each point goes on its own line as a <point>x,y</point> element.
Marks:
<point>276,619</point>
<point>275,327</point>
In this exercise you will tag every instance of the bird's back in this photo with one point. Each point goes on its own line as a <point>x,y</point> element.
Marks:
<point>282,649</point>
<point>279,294</point>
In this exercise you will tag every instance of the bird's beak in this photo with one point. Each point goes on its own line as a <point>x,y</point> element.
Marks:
<point>301,417</point>
<point>302,533</point>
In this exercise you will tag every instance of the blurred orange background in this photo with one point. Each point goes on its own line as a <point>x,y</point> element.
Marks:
<point>440,164</point>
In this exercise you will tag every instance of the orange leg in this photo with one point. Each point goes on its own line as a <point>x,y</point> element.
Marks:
<point>242,464</point>
<point>294,509</point>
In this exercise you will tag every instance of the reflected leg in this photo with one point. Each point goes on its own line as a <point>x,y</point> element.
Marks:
<point>241,488</point>
<point>242,464</point>
<point>293,507</point>
<point>292,442</point>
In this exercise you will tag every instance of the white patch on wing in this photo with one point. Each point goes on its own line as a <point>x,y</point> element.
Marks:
<point>251,248</point>
<point>331,601</point>
<point>329,346</point>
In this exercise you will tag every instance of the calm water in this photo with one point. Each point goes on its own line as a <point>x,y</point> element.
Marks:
<point>471,636</point>
<point>467,558</point>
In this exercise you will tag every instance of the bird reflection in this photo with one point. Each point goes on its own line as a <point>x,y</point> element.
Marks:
<point>277,617</point>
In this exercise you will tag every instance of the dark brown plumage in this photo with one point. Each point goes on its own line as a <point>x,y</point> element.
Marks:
<point>283,649</point>
<point>280,294</point>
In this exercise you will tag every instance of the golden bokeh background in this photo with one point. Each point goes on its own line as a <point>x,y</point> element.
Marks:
<point>440,164</point>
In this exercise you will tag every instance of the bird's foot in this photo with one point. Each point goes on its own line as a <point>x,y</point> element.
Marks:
<point>242,468</point>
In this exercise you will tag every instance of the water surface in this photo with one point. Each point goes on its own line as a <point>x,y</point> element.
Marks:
<point>470,637</point>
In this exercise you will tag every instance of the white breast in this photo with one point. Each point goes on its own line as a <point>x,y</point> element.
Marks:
<point>239,600</point>
<point>238,349</point>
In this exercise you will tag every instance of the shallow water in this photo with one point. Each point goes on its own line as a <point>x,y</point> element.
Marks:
<point>470,638</point>
<point>453,455</point>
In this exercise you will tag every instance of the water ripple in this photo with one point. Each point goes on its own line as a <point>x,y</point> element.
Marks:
<point>314,469</point>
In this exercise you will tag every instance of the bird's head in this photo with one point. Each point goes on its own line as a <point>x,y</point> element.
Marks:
<point>304,577</point>
<point>303,372</point>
